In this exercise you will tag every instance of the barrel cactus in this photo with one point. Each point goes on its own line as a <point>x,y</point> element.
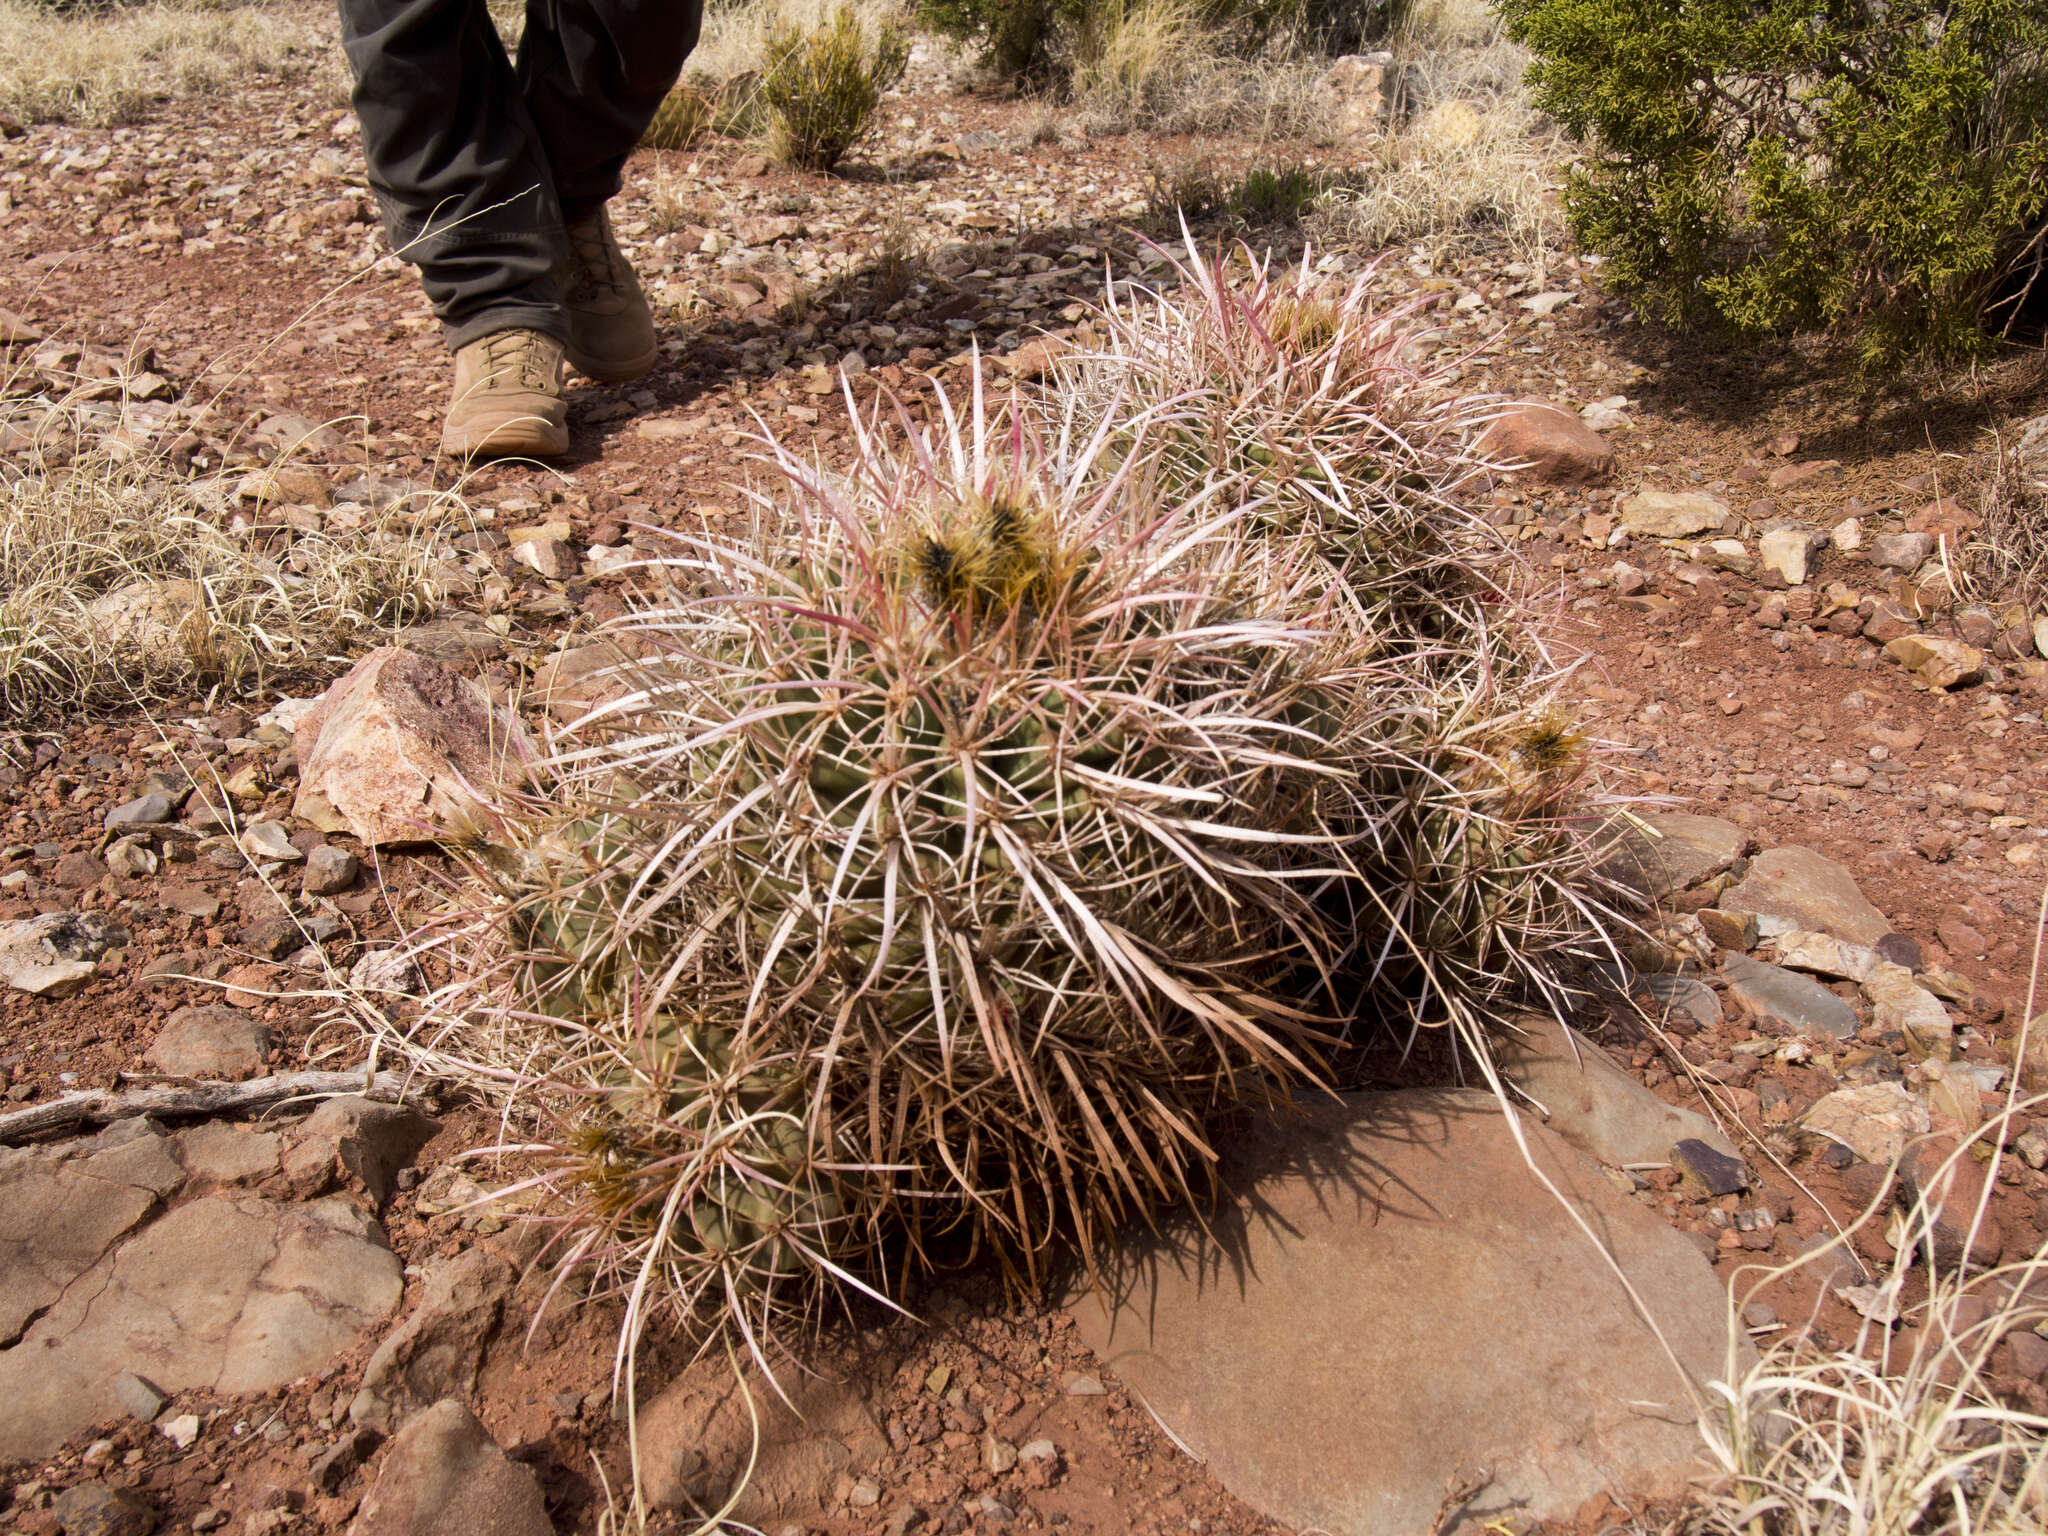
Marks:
<point>1479,856</point>
<point>963,851</point>
<point>1305,392</point>
<point>1000,813</point>
<point>1486,890</point>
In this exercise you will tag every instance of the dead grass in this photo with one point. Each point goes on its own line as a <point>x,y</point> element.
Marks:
<point>1129,57</point>
<point>122,584</point>
<point>1475,165</point>
<point>733,44</point>
<point>1898,1433</point>
<point>675,201</point>
<point>106,68</point>
<point>2009,559</point>
<point>1436,24</point>
<point>1158,65</point>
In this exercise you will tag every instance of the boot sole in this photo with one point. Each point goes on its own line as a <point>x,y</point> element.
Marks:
<point>523,437</point>
<point>613,370</point>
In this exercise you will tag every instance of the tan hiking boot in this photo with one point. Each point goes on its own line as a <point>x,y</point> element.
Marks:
<point>508,398</point>
<point>611,329</point>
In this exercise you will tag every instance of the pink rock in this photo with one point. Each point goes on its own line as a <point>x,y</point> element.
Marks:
<point>401,751</point>
<point>1035,359</point>
<point>1547,443</point>
<point>1393,1300</point>
<point>443,1475</point>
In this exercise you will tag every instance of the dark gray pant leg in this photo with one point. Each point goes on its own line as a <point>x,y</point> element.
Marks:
<point>472,161</point>
<point>594,74</point>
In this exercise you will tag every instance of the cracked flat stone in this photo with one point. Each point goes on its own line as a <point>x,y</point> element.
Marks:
<point>1393,1300</point>
<point>443,1475</point>
<point>1678,852</point>
<point>220,1152</point>
<point>1874,1122</point>
<point>1672,514</point>
<point>55,1224</point>
<point>211,1042</point>
<point>1591,1101</point>
<point>1809,891</point>
<point>228,1296</point>
<point>1826,955</point>
<point>439,1348</point>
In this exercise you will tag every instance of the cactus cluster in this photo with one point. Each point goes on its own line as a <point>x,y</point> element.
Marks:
<point>998,814</point>
<point>1479,866</point>
<point>1303,392</point>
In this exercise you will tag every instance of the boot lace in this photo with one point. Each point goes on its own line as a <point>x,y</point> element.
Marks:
<point>517,355</point>
<point>594,259</point>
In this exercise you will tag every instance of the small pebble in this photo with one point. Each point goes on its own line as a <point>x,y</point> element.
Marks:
<point>268,840</point>
<point>330,870</point>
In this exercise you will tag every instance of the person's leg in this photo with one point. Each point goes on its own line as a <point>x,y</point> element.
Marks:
<point>594,73</point>
<point>456,163</point>
<point>468,198</point>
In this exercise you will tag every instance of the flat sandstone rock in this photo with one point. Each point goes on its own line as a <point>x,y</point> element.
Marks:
<point>226,1296</point>
<point>1396,1302</point>
<point>1809,891</point>
<point>1677,851</point>
<point>1589,1099</point>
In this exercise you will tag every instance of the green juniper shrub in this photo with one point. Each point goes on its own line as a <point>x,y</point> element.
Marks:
<point>821,89</point>
<point>1874,167</point>
<point>1015,36</point>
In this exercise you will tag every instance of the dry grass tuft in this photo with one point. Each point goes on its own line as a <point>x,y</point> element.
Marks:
<point>733,43</point>
<point>101,68</point>
<point>1129,56</point>
<point>675,201</point>
<point>1475,167</point>
<point>1156,64</point>
<point>1439,24</point>
<point>1907,1433</point>
<point>118,585</point>
<point>2010,556</point>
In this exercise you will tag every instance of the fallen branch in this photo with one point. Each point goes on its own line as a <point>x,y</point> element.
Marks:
<point>99,1107</point>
